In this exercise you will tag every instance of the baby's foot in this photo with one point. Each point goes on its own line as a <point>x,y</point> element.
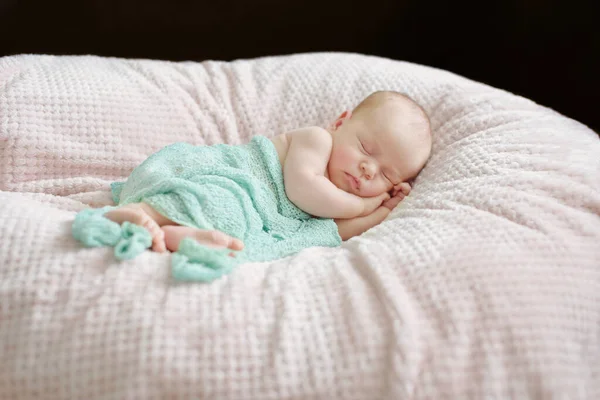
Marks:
<point>174,234</point>
<point>137,213</point>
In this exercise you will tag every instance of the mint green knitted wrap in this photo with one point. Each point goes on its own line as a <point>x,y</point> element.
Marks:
<point>238,190</point>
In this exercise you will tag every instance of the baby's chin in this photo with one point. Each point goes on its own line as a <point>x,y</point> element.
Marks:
<point>345,189</point>
<point>355,192</point>
<point>366,195</point>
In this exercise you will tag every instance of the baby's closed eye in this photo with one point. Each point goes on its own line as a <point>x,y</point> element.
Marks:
<point>362,147</point>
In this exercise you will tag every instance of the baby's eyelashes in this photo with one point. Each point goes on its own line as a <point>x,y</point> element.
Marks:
<point>362,148</point>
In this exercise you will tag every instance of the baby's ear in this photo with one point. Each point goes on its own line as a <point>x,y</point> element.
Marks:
<point>345,115</point>
<point>341,119</point>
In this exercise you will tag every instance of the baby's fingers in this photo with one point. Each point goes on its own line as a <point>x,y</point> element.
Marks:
<point>392,203</point>
<point>402,187</point>
<point>384,196</point>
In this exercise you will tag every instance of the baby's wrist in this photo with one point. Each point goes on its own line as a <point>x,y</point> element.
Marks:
<point>364,209</point>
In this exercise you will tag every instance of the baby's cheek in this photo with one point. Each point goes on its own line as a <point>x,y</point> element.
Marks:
<point>374,190</point>
<point>382,185</point>
<point>347,157</point>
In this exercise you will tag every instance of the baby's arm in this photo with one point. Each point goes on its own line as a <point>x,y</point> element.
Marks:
<point>348,228</point>
<point>304,175</point>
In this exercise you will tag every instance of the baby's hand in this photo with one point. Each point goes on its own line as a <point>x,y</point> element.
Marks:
<point>401,188</point>
<point>399,192</point>
<point>372,203</point>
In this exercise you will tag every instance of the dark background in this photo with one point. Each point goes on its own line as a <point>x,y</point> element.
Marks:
<point>545,50</point>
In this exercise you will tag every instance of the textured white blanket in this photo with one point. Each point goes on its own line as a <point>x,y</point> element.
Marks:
<point>483,284</point>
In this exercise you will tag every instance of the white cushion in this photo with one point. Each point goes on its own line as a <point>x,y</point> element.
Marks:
<point>483,282</point>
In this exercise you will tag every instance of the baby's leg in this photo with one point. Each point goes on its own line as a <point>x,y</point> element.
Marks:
<point>174,234</point>
<point>143,215</point>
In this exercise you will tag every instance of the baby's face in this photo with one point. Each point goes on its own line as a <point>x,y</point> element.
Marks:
<point>375,150</point>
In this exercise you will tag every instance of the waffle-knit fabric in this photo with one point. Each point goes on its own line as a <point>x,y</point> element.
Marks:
<point>483,284</point>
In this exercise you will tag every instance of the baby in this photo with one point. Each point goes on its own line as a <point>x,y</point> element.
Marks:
<point>354,172</point>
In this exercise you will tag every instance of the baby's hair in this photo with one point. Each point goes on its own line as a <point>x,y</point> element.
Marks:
<point>379,97</point>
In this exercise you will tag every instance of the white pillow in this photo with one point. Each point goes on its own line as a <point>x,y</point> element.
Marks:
<point>483,283</point>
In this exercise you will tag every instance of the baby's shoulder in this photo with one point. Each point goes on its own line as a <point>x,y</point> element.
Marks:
<point>310,130</point>
<point>310,134</point>
<point>315,136</point>
<point>309,138</point>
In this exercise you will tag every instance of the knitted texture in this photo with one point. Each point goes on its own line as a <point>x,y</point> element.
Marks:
<point>483,283</point>
<point>93,230</point>
<point>237,190</point>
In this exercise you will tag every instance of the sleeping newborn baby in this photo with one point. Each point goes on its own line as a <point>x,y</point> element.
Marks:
<point>328,185</point>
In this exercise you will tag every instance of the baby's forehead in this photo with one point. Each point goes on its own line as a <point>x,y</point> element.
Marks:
<point>391,110</point>
<point>393,124</point>
<point>400,137</point>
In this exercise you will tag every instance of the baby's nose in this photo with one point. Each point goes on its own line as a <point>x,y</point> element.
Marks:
<point>368,170</point>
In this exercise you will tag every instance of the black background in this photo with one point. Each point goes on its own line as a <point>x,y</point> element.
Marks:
<point>545,50</point>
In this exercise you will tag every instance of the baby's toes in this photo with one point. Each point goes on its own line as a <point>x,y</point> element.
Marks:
<point>149,225</point>
<point>219,239</point>
<point>158,236</point>
<point>236,244</point>
<point>158,241</point>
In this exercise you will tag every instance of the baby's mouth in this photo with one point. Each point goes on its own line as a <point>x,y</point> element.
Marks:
<point>353,181</point>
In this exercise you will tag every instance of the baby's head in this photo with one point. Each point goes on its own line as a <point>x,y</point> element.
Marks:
<point>384,141</point>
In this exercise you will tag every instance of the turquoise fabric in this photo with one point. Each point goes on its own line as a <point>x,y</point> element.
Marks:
<point>93,230</point>
<point>238,190</point>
